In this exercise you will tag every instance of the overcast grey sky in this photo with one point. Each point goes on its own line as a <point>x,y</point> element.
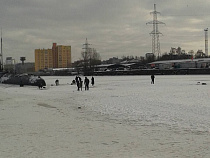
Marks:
<point>113,27</point>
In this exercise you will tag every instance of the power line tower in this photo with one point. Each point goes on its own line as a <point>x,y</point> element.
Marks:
<point>86,48</point>
<point>1,56</point>
<point>155,33</point>
<point>206,41</point>
<point>86,56</point>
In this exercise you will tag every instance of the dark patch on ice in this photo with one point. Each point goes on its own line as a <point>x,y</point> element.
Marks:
<point>1,100</point>
<point>203,83</point>
<point>45,105</point>
<point>109,89</point>
<point>84,142</point>
<point>115,142</point>
<point>114,96</point>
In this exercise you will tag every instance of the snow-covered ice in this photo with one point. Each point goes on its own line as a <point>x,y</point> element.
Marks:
<point>121,116</point>
<point>175,101</point>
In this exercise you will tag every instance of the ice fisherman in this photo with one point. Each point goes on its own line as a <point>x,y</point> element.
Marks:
<point>21,82</point>
<point>92,81</point>
<point>57,82</point>
<point>86,82</point>
<point>152,79</point>
<point>80,83</point>
<point>40,84</point>
<point>77,82</point>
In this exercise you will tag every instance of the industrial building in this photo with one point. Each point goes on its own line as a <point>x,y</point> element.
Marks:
<point>181,64</point>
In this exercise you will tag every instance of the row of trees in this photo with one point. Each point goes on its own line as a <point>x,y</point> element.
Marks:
<point>90,57</point>
<point>178,53</point>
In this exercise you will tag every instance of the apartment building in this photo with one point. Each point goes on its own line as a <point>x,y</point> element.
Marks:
<point>43,59</point>
<point>62,56</point>
<point>57,57</point>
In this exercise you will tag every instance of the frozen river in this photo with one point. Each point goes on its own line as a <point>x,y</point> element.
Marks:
<point>175,101</point>
<point>121,116</point>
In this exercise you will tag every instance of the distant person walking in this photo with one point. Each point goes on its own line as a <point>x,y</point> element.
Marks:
<point>77,82</point>
<point>40,84</point>
<point>80,83</point>
<point>152,79</point>
<point>86,82</point>
<point>92,81</point>
<point>21,82</point>
<point>57,82</point>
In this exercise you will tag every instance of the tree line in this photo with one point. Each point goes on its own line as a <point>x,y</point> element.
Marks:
<point>90,58</point>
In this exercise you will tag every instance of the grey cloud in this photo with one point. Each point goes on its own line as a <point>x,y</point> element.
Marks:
<point>113,27</point>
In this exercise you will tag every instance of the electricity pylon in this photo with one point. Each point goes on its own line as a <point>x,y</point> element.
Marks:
<point>1,56</point>
<point>155,33</point>
<point>206,41</point>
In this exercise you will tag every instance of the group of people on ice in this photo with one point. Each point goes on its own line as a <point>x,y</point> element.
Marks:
<point>79,82</point>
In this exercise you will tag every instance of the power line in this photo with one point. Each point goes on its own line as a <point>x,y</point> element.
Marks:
<point>184,15</point>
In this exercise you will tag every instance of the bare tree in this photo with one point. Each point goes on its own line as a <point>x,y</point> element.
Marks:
<point>90,58</point>
<point>95,58</point>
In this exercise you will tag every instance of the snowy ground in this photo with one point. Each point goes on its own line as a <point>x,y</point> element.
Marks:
<point>121,116</point>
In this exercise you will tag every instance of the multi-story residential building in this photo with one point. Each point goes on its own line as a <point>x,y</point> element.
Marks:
<point>62,56</point>
<point>43,59</point>
<point>57,57</point>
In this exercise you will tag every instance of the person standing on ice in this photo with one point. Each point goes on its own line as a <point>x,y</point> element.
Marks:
<point>21,82</point>
<point>86,82</point>
<point>57,82</point>
<point>92,81</point>
<point>77,82</point>
<point>152,79</point>
<point>80,83</point>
